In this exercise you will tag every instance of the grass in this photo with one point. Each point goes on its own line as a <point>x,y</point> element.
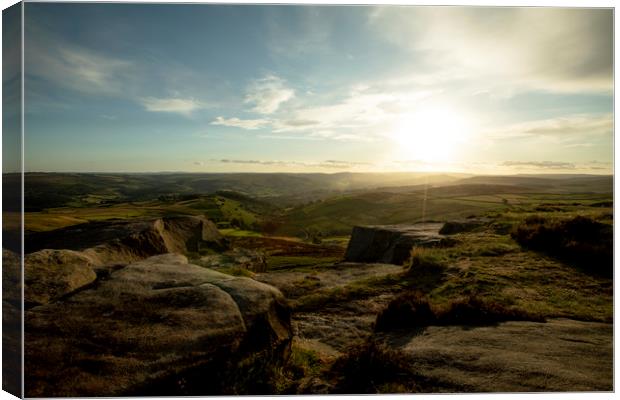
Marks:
<point>371,367</point>
<point>488,266</point>
<point>234,232</point>
<point>298,262</point>
<point>413,310</point>
<point>237,271</point>
<point>362,288</point>
<point>580,241</point>
<point>426,258</point>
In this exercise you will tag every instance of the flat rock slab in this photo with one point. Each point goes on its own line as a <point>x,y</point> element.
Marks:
<point>148,327</point>
<point>560,355</point>
<point>390,244</point>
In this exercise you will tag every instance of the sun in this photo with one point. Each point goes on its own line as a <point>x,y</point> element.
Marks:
<point>431,135</point>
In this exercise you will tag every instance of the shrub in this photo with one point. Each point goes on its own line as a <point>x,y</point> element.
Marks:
<point>580,241</point>
<point>371,367</point>
<point>473,310</point>
<point>413,310</point>
<point>407,311</point>
<point>425,258</point>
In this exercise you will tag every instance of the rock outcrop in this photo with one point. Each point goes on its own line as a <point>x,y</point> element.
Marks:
<point>51,274</point>
<point>11,323</point>
<point>390,244</point>
<point>123,240</point>
<point>517,356</point>
<point>64,260</point>
<point>159,326</point>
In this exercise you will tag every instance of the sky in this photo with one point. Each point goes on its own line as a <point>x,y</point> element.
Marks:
<point>215,88</point>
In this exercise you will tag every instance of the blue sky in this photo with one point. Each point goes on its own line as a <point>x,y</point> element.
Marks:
<point>208,88</point>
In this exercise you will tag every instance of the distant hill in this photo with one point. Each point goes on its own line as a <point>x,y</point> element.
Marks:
<point>46,190</point>
<point>555,183</point>
<point>50,190</point>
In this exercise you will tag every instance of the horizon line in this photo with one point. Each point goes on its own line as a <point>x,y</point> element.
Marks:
<point>307,173</point>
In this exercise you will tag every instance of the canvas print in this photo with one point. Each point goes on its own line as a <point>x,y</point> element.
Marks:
<point>226,199</point>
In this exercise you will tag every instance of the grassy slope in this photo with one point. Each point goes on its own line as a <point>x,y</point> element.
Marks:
<point>337,215</point>
<point>215,207</point>
<point>490,264</point>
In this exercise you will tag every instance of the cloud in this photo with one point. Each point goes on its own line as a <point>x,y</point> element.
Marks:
<point>569,126</point>
<point>554,49</point>
<point>364,113</point>
<point>171,105</point>
<point>328,164</point>
<point>307,32</point>
<point>339,164</point>
<point>240,123</point>
<point>199,163</point>
<point>267,94</point>
<point>300,122</point>
<point>540,164</point>
<point>75,67</point>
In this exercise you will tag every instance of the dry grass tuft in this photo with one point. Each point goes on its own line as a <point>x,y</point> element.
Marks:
<point>580,241</point>
<point>413,310</point>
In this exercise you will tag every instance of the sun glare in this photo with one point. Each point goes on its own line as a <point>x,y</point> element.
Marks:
<point>430,135</point>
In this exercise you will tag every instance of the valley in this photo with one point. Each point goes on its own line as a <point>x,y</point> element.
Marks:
<point>485,269</point>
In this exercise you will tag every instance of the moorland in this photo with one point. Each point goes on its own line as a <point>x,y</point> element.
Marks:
<point>516,294</point>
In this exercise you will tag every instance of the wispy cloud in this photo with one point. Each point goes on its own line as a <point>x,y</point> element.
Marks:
<point>366,112</point>
<point>556,49</point>
<point>540,164</point>
<point>171,105</point>
<point>569,126</point>
<point>267,94</point>
<point>240,123</point>
<point>308,34</point>
<point>327,164</point>
<point>80,69</point>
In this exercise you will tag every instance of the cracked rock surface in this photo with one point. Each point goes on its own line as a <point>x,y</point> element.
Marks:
<point>156,326</point>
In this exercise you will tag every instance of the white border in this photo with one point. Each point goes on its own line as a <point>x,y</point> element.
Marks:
<point>487,3</point>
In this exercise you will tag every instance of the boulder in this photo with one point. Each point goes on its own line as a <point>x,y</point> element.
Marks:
<point>390,244</point>
<point>11,323</point>
<point>131,240</point>
<point>64,260</point>
<point>51,274</point>
<point>159,326</point>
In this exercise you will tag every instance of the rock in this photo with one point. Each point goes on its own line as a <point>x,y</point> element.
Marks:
<point>51,274</point>
<point>130,240</point>
<point>70,258</point>
<point>159,326</point>
<point>465,225</point>
<point>11,323</point>
<point>390,244</point>
<point>518,356</point>
<point>251,260</point>
<point>11,277</point>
